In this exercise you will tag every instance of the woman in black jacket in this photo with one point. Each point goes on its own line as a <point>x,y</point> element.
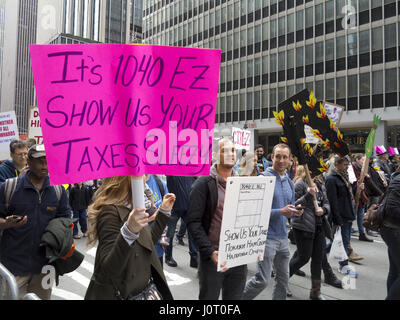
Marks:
<point>390,232</point>
<point>308,230</point>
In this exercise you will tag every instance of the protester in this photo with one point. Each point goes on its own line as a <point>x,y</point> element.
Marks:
<point>181,233</point>
<point>341,200</point>
<point>126,261</point>
<point>181,186</point>
<point>390,232</point>
<point>159,190</point>
<point>277,245</point>
<point>371,190</point>
<point>24,216</point>
<point>382,163</point>
<point>204,220</point>
<point>308,229</point>
<point>248,165</point>
<point>262,162</point>
<point>79,199</point>
<point>19,155</point>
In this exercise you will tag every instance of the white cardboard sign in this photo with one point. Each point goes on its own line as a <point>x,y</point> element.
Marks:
<point>8,133</point>
<point>245,221</point>
<point>34,126</point>
<point>241,138</point>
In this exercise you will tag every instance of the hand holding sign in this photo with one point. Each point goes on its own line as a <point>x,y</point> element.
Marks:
<point>137,220</point>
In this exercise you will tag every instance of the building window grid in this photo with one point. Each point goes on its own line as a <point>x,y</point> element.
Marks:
<point>268,86</point>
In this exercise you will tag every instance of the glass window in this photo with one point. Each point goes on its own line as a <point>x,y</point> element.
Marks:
<point>329,10</point>
<point>257,66</point>
<point>352,44</point>
<point>229,42</point>
<point>236,10</point>
<point>340,47</point>
<point>223,44</point>
<point>273,62</point>
<point>290,23</point>
<point>319,90</point>
<point>390,35</point>
<point>217,17</point>
<point>250,38</point>
<point>272,98</point>
<point>243,7</point>
<point>265,30</point>
<point>257,97</point>
<point>319,52</point>
<point>264,98</point>
<point>391,80</point>
<point>242,102</point>
<point>299,56</point>
<point>290,91</point>
<point>300,20</point>
<point>330,89</point>
<point>243,70</point>
<point>309,17</point>
<point>230,12</point>
<point>339,7</point>
<point>273,29</point>
<point>250,69</point>
<point>290,59</point>
<point>281,26</point>
<point>365,88</point>
<point>376,41</point>
<point>229,70</point>
<point>363,5</point>
<point>228,106</point>
<point>250,5</point>
<point>340,88</point>
<point>235,102</point>
<point>330,49</point>
<point>223,15</point>
<point>265,64</point>
<point>364,41</point>
<point>212,18</point>
<point>281,94</point>
<point>309,54</point>
<point>236,71</point>
<point>236,40</point>
<point>352,86</point>
<point>249,100</point>
<point>319,14</point>
<point>281,61</point>
<point>258,4</point>
<point>310,86</point>
<point>376,3</point>
<point>243,38</point>
<point>257,33</point>
<point>377,82</point>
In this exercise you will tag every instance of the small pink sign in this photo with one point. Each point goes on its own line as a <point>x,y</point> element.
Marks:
<point>111,110</point>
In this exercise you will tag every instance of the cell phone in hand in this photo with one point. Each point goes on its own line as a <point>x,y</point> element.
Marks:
<point>18,218</point>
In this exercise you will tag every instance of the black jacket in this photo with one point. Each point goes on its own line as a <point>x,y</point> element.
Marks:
<point>308,220</point>
<point>79,198</point>
<point>339,199</point>
<point>392,209</point>
<point>203,201</point>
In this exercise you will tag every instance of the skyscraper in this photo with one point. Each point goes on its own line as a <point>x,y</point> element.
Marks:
<point>347,52</point>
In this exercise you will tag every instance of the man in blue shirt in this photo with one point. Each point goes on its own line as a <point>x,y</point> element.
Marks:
<point>19,155</point>
<point>156,184</point>
<point>262,163</point>
<point>277,246</point>
<point>32,206</point>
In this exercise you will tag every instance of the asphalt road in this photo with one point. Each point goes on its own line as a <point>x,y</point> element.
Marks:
<point>183,281</point>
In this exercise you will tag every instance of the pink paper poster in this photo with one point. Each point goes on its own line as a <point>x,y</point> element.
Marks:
<point>111,110</point>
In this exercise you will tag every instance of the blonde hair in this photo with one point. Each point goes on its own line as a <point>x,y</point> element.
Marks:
<point>113,191</point>
<point>300,173</point>
<point>244,162</point>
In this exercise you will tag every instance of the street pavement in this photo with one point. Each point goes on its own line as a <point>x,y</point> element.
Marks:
<point>183,281</point>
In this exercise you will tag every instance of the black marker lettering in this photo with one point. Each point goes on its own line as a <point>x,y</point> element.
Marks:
<point>70,142</point>
<point>176,72</point>
<point>66,54</point>
<point>199,77</point>
<point>60,112</point>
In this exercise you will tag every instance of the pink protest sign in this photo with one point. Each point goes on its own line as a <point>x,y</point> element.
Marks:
<point>111,110</point>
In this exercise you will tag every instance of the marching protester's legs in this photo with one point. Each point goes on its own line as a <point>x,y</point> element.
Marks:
<point>210,281</point>
<point>260,280</point>
<point>303,253</point>
<point>181,232</point>
<point>391,237</point>
<point>281,263</point>
<point>329,276</point>
<point>32,284</point>
<point>234,282</point>
<point>170,235</point>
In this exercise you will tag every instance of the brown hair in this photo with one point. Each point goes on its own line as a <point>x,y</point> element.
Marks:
<point>300,173</point>
<point>113,191</point>
<point>245,160</point>
<point>281,146</point>
<point>17,144</point>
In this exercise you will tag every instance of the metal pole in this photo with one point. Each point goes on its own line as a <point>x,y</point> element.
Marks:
<point>10,281</point>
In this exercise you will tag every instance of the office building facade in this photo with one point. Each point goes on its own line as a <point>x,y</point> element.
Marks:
<point>347,52</point>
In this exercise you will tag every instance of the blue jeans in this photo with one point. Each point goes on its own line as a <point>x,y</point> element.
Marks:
<point>175,216</point>
<point>360,216</point>
<point>346,236</point>
<point>82,216</point>
<point>276,255</point>
<point>391,237</point>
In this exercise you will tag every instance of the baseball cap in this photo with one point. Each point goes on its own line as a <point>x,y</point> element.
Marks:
<point>36,151</point>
